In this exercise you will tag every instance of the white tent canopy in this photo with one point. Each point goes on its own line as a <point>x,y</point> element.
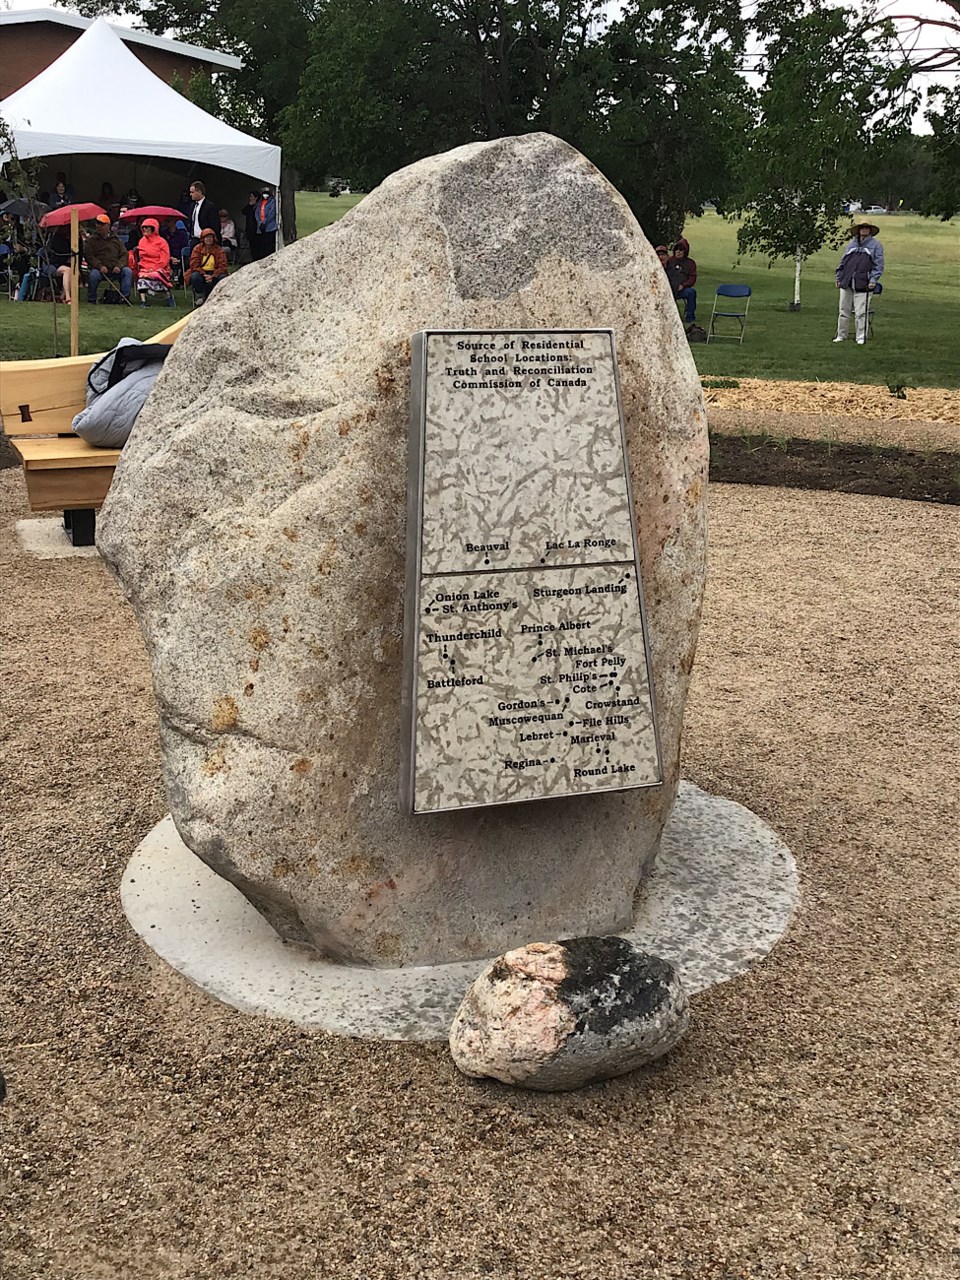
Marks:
<point>98,98</point>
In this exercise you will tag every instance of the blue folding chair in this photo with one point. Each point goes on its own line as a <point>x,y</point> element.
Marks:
<point>730,291</point>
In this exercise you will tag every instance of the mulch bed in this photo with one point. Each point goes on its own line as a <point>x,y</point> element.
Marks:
<point>928,476</point>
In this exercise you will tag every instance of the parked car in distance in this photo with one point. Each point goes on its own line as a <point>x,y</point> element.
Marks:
<point>875,208</point>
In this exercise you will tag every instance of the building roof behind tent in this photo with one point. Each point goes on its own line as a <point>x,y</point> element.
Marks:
<point>129,35</point>
<point>99,98</point>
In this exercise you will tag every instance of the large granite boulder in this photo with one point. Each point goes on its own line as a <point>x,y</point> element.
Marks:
<point>558,1015</point>
<point>257,523</point>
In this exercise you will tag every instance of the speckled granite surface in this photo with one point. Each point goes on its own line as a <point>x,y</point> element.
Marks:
<point>721,894</point>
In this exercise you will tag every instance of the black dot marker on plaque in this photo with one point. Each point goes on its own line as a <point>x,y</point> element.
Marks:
<point>486,562</point>
<point>542,561</point>
<point>553,760</point>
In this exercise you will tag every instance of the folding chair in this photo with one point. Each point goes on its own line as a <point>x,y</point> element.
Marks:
<point>730,291</point>
<point>871,299</point>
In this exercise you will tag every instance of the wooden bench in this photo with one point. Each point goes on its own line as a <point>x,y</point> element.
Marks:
<point>38,402</point>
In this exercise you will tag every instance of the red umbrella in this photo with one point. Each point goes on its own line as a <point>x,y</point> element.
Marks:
<point>61,217</point>
<point>151,211</point>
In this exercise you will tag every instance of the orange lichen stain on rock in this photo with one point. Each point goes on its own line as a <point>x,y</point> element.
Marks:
<point>329,554</point>
<point>259,637</point>
<point>286,564</point>
<point>301,766</point>
<point>292,534</point>
<point>285,624</point>
<point>360,528</point>
<point>386,380</point>
<point>282,867</point>
<point>344,428</point>
<point>693,494</point>
<point>248,689</point>
<point>254,665</point>
<point>364,492</point>
<point>215,763</point>
<point>387,946</point>
<point>298,447</point>
<point>358,867</point>
<point>226,714</point>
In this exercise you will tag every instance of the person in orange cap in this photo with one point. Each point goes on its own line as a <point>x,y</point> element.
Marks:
<point>107,259</point>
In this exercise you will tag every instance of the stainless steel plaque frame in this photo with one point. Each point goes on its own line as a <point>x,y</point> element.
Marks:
<point>615,580</point>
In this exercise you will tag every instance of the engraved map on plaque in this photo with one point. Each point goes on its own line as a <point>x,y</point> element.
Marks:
<point>526,669</point>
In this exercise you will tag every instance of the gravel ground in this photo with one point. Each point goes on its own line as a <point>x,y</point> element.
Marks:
<point>806,1127</point>
<point>904,433</point>
<point>853,399</point>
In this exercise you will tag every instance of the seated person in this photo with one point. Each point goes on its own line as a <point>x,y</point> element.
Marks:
<point>208,266</point>
<point>55,260</point>
<point>228,235</point>
<point>106,257</point>
<point>69,191</point>
<point>109,201</point>
<point>682,274</point>
<point>154,264</point>
<point>14,249</point>
<point>59,196</point>
<point>178,238</point>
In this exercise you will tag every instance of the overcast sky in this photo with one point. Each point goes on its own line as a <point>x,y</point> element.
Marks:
<point>933,37</point>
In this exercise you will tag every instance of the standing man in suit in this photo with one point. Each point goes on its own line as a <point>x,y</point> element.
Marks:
<point>203,216</point>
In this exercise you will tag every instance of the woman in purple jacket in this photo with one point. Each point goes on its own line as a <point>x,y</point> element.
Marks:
<point>860,267</point>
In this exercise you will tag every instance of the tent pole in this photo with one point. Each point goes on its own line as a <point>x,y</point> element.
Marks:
<point>74,282</point>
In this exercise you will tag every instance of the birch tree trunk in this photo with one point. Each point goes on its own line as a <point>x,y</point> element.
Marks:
<point>796,280</point>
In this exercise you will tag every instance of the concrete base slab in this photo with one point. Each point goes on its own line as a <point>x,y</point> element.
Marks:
<point>721,895</point>
<point>47,539</point>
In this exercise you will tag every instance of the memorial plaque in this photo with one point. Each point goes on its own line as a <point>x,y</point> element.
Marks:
<point>526,665</point>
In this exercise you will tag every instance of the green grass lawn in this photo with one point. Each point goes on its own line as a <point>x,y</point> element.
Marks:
<point>917,318</point>
<point>315,209</point>
<point>916,327</point>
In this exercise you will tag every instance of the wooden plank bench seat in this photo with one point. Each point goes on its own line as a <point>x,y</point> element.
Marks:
<point>38,402</point>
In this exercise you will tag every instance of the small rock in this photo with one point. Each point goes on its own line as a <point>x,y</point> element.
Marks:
<point>558,1015</point>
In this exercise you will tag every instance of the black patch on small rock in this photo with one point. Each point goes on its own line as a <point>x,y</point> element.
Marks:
<point>611,982</point>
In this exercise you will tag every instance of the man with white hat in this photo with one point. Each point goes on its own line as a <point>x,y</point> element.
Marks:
<point>858,272</point>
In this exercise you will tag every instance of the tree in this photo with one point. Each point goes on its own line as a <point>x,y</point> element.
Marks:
<point>653,97</point>
<point>943,116</point>
<point>674,110</point>
<point>834,86</point>
<point>900,174</point>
